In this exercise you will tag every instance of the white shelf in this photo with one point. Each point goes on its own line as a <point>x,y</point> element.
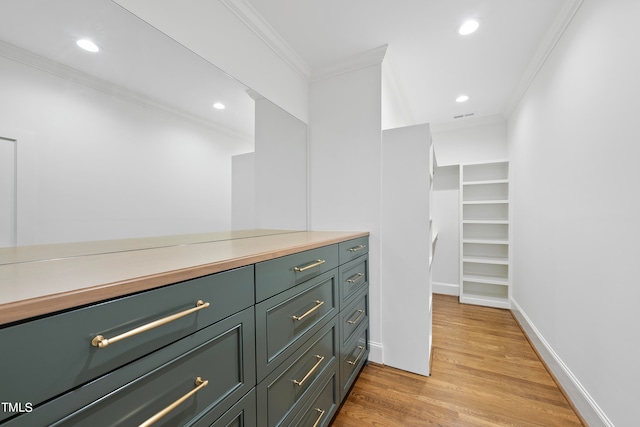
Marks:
<point>486,260</point>
<point>484,232</point>
<point>483,202</point>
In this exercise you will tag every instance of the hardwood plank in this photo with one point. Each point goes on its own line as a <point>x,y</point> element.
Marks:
<point>484,373</point>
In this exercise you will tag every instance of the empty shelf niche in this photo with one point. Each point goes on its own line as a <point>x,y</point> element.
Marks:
<point>486,172</point>
<point>485,233</point>
<point>488,253</point>
<point>492,212</point>
<point>486,273</point>
<point>498,294</point>
<point>492,192</point>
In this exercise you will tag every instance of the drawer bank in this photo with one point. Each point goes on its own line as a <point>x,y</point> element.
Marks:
<point>273,336</point>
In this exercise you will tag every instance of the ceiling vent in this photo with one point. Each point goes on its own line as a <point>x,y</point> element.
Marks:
<point>463,115</point>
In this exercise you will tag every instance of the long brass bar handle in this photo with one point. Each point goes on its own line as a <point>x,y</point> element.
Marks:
<point>200,384</point>
<point>355,278</point>
<point>306,267</point>
<point>102,342</point>
<point>357,319</point>
<point>317,306</point>
<point>355,362</point>
<point>357,248</point>
<point>321,414</point>
<point>320,359</point>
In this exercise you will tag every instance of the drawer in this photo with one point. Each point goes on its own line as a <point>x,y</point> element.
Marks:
<point>352,357</point>
<point>296,379</point>
<point>221,354</point>
<point>352,249</point>
<point>242,414</point>
<point>321,408</point>
<point>354,316</point>
<point>279,274</point>
<point>65,339</point>
<point>354,276</point>
<point>284,319</point>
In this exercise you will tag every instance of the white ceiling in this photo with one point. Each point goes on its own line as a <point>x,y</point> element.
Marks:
<point>430,62</point>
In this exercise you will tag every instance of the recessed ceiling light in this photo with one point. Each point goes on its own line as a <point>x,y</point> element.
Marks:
<point>468,27</point>
<point>219,106</point>
<point>462,98</point>
<point>88,45</point>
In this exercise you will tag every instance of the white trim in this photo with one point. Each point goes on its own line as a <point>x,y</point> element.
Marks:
<point>551,38</point>
<point>352,63</point>
<point>375,352</point>
<point>446,288</point>
<point>30,59</point>
<point>582,400</point>
<point>260,27</point>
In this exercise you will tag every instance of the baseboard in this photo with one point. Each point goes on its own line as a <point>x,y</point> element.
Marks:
<point>446,288</point>
<point>375,352</point>
<point>582,401</point>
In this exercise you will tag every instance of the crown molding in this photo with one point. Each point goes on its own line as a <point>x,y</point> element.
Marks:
<point>250,17</point>
<point>57,69</point>
<point>546,46</point>
<point>352,63</point>
<point>468,123</point>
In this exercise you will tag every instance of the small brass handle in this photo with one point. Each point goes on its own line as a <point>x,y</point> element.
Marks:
<point>306,267</point>
<point>320,359</point>
<point>320,415</point>
<point>102,342</point>
<point>357,319</point>
<point>200,384</point>
<point>317,306</point>
<point>355,362</point>
<point>357,248</point>
<point>355,278</point>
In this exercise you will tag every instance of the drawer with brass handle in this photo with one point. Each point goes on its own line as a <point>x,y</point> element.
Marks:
<point>206,372</point>
<point>84,343</point>
<point>352,249</point>
<point>354,276</point>
<point>296,379</point>
<point>353,316</point>
<point>284,320</point>
<point>322,406</point>
<point>353,356</point>
<point>279,274</point>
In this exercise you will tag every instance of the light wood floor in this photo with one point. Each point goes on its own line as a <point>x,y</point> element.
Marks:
<point>484,373</point>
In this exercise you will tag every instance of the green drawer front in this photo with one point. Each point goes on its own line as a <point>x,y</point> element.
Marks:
<point>242,414</point>
<point>279,274</point>
<point>221,353</point>
<point>320,410</point>
<point>352,357</point>
<point>56,352</point>
<point>352,249</point>
<point>297,378</point>
<point>352,317</point>
<point>354,276</point>
<point>312,304</point>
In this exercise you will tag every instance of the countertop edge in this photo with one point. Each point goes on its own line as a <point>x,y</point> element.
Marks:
<point>48,304</point>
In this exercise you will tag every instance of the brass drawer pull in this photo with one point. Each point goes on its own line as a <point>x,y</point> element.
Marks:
<point>102,342</point>
<point>357,248</point>
<point>306,267</point>
<point>357,319</point>
<point>317,306</point>
<point>200,384</point>
<point>355,362</point>
<point>355,278</point>
<point>320,359</point>
<point>320,415</point>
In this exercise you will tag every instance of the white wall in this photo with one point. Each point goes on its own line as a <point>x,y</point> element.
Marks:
<point>344,172</point>
<point>573,144</point>
<point>280,168</point>
<point>93,166</point>
<point>243,192</point>
<point>213,31</point>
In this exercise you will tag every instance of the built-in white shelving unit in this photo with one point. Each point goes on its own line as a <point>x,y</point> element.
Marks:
<point>484,231</point>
